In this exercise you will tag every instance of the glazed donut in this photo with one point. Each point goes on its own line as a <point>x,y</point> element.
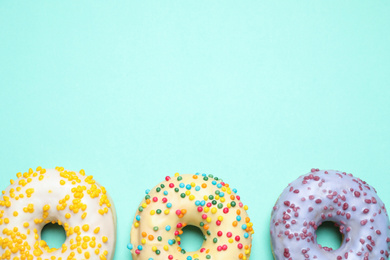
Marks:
<point>199,200</point>
<point>71,199</point>
<point>334,196</point>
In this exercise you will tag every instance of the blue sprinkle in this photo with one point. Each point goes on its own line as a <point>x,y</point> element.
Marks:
<point>139,247</point>
<point>235,190</point>
<point>150,259</point>
<point>197,188</point>
<point>168,227</point>
<point>214,182</point>
<point>204,175</point>
<point>219,185</point>
<point>147,191</point>
<point>169,205</point>
<point>197,203</point>
<point>189,258</point>
<point>170,242</point>
<point>188,186</point>
<point>246,235</point>
<point>243,226</point>
<point>202,203</point>
<point>165,193</point>
<point>221,194</point>
<point>138,217</point>
<point>197,173</point>
<point>181,185</point>
<point>238,218</point>
<point>129,246</point>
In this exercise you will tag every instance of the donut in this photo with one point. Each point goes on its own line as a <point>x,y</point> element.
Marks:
<point>71,199</point>
<point>203,201</point>
<point>334,196</point>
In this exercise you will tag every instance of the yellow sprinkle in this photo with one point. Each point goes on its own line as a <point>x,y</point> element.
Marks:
<point>86,227</point>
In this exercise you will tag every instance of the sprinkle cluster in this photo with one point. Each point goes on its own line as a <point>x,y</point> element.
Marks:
<point>31,201</point>
<point>204,201</point>
<point>334,196</point>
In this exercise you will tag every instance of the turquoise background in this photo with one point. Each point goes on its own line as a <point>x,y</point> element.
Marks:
<point>255,92</point>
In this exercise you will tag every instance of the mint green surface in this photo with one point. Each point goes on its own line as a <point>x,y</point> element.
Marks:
<point>255,92</point>
<point>54,235</point>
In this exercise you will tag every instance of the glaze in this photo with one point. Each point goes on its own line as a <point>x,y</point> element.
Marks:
<point>335,196</point>
<point>71,199</point>
<point>203,201</point>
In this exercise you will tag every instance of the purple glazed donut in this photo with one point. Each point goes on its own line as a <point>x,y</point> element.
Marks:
<point>335,196</point>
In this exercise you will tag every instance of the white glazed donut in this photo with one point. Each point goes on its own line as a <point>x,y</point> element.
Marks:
<point>202,201</point>
<point>71,199</point>
<point>334,196</point>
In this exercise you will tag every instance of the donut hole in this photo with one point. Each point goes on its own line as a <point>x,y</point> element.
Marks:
<point>328,235</point>
<point>54,235</point>
<point>191,239</point>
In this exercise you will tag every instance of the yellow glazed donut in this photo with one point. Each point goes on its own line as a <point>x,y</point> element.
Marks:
<point>203,201</point>
<point>71,199</point>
